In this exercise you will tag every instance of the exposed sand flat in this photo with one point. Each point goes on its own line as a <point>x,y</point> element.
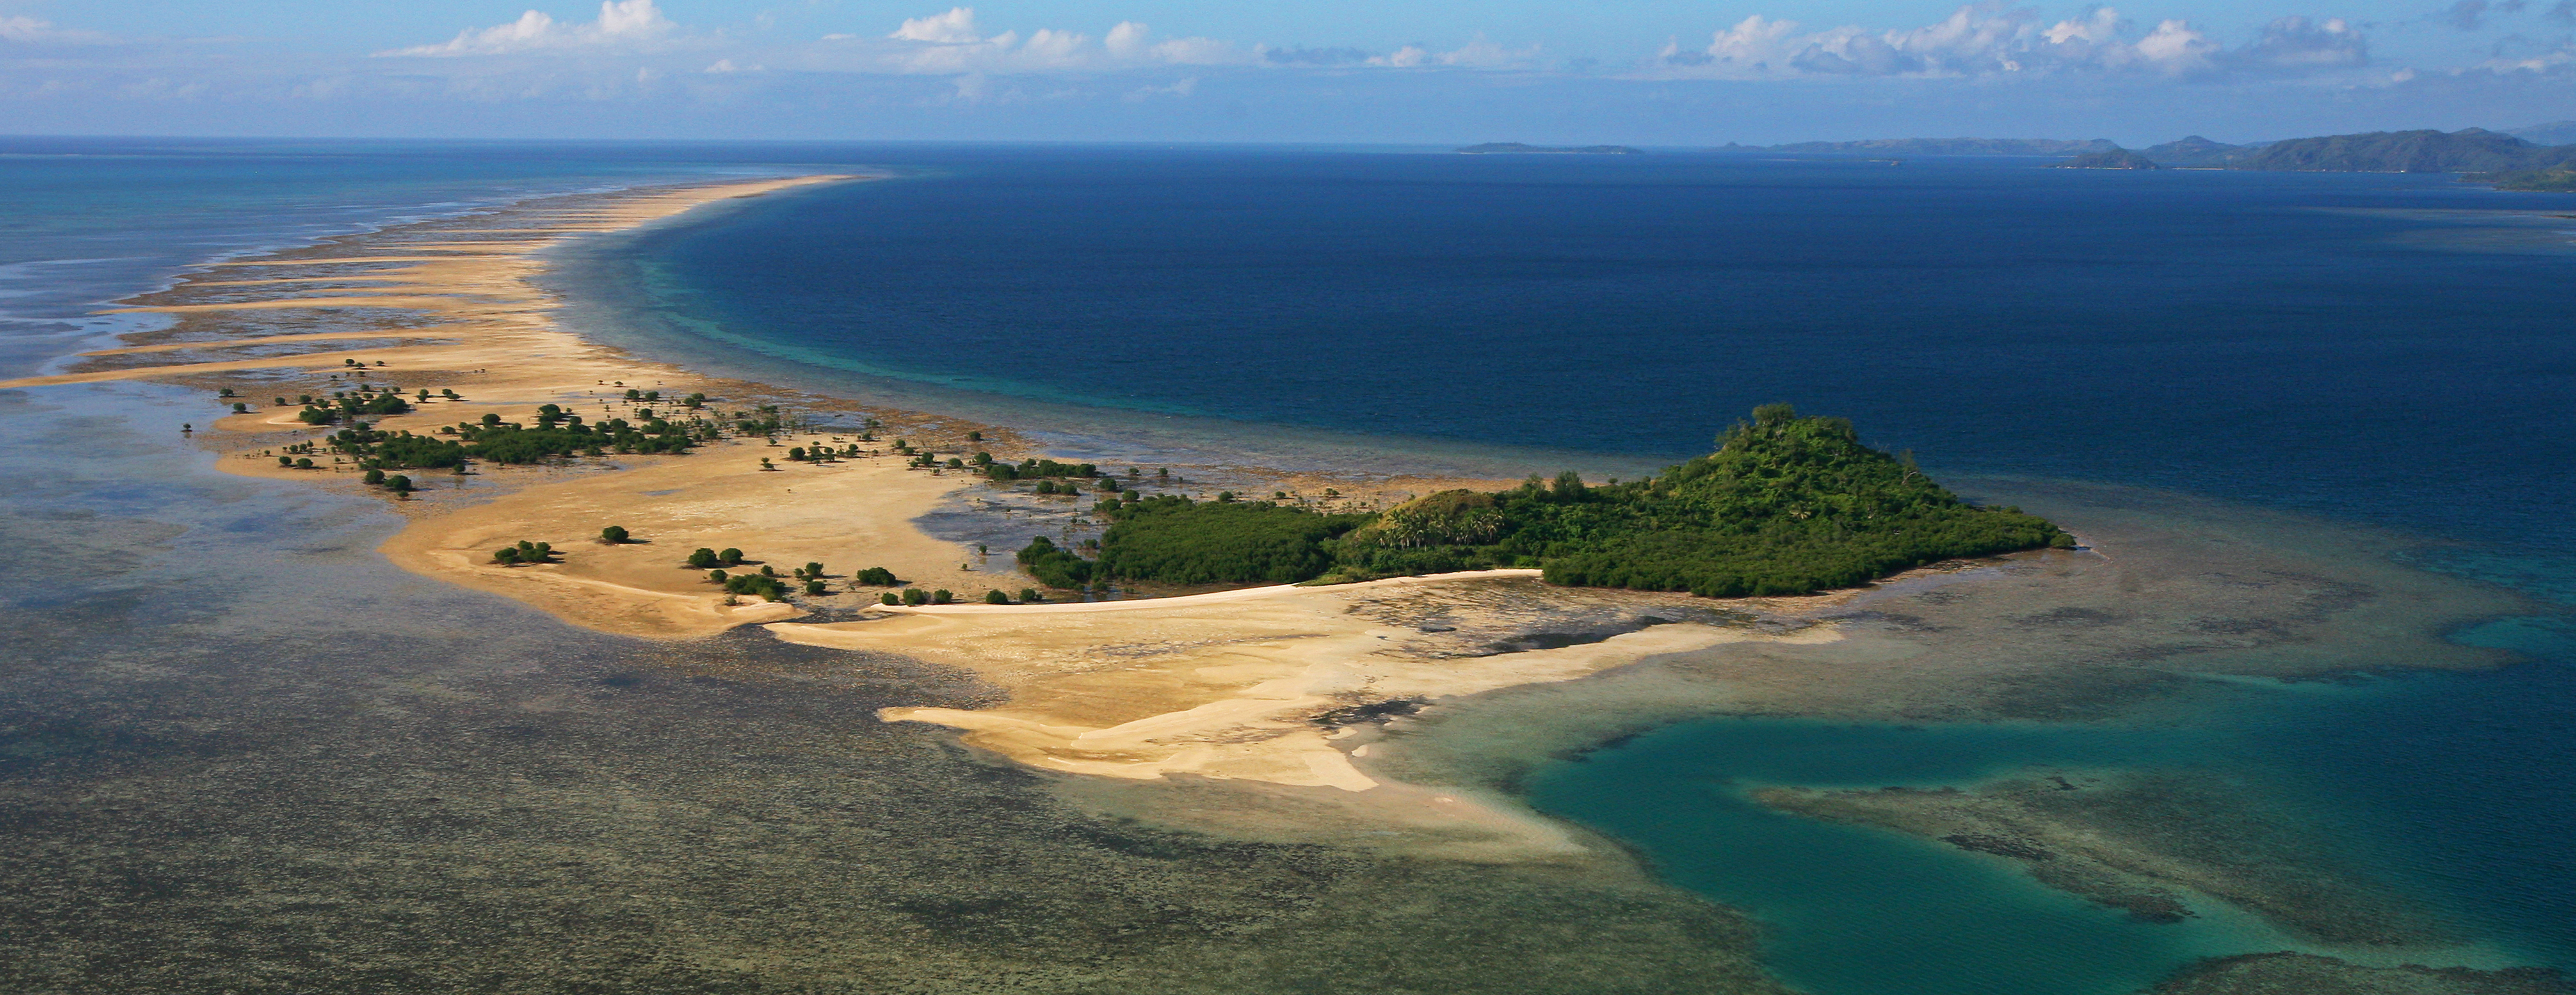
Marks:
<point>289,279</point>
<point>1225,685</point>
<point>848,516</point>
<point>422,302</point>
<point>1191,600</point>
<point>330,261</point>
<point>263,340</point>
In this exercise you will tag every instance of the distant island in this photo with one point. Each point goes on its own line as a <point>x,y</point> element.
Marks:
<point>2539,157</point>
<point>2111,159</point>
<point>1518,148</point>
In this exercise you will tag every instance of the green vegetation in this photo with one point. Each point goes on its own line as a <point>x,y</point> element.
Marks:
<point>1033,469</point>
<point>704,558</point>
<point>875,577</point>
<point>889,598</point>
<point>2420,151</point>
<point>1053,566</point>
<point>2557,179</point>
<point>557,435</point>
<point>996,598</point>
<point>1786,505</point>
<point>524,552</point>
<point>765,588</point>
<point>2109,159</point>
<point>914,596</point>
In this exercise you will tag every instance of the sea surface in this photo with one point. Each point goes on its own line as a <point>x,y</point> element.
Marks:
<point>2391,352</point>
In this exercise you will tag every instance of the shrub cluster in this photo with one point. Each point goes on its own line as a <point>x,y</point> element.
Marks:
<point>1786,505</point>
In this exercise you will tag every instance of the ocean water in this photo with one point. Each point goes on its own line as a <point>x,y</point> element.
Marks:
<point>2388,351</point>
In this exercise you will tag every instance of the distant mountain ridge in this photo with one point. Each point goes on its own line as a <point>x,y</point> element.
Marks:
<point>2468,150</point>
<point>2552,133</point>
<point>1943,146</point>
<point>2424,151</point>
<point>1519,148</point>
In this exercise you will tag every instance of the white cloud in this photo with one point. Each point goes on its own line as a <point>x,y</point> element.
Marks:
<point>1476,54</point>
<point>1988,38</point>
<point>621,23</point>
<point>30,31</point>
<point>957,27</point>
<point>953,43</point>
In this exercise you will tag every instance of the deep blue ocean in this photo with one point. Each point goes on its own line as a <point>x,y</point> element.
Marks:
<point>2390,351</point>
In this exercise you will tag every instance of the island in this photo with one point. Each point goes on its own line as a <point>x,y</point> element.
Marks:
<point>1320,671</point>
<point>2109,159</point>
<point>1786,505</point>
<point>1517,148</point>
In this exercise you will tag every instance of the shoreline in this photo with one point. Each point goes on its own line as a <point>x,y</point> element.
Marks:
<point>1250,686</point>
<point>453,305</point>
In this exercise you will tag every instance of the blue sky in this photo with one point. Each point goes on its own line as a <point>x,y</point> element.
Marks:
<point>1656,72</point>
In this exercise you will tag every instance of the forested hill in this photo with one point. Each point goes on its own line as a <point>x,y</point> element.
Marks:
<point>1786,505</point>
<point>1945,146</point>
<point>2425,151</point>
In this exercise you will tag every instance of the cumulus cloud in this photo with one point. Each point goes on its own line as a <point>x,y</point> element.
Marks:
<point>957,27</point>
<point>2296,44</point>
<point>1986,39</point>
<point>953,43</point>
<point>621,23</point>
<point>1477,54</point>
<point>2557,61</point>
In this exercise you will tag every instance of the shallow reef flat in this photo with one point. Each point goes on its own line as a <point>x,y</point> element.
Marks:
<point>2143,842</point>
<point>2297,974</point>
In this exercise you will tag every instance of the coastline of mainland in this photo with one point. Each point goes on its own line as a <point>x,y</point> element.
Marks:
<point>1281,693</point>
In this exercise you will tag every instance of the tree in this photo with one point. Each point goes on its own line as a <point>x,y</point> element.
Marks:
<point>814,569</point>
<point>814,587</point>
<point>996,597</point>
<point>375,477</point>
<point>1569,486</point>
<point>876,577</point>
<point>305,463</point>
<point>240,408</point>
<point>913,596</point>
<point>732,557</point>
<point>974,436</point>
<point>941,597</point>
<point>613,535</point>
<point>1029,596</point>
<point>717,576</point>
<point>506,556</point>
<point>888,598</point>
<point>399,484</point>
<point>286,461</point>
<point>703,558</point>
